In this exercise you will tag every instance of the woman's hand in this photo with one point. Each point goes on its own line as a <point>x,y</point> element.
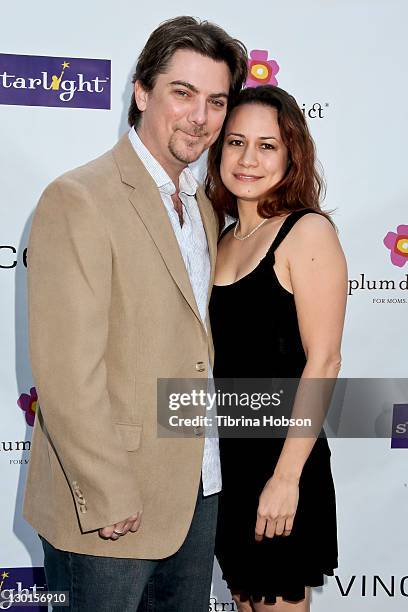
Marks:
<point>277,507</point>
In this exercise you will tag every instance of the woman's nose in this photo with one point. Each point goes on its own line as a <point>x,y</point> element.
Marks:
<point>248,158</point>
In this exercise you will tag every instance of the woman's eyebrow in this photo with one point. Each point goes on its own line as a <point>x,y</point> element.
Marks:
<point>260,137</point>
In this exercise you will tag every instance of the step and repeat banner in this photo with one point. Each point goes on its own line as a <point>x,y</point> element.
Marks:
<point>65,85</point>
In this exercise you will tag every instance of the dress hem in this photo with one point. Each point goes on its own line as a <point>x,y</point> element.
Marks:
<point>291,595</point>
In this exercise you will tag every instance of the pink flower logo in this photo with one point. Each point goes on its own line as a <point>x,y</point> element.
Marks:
<point>28,403</point>
<point>261,71</point>
<point>398,245</point>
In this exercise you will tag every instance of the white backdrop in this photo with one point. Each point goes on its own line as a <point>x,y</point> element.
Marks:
<point>346,58</point>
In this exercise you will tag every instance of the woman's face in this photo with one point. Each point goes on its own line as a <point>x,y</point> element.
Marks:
<point>254,158</point>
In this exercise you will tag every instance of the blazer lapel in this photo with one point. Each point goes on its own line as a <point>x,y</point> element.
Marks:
<point>148,204</point>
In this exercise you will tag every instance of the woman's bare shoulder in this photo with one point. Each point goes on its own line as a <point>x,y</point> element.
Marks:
<point>313,227</point>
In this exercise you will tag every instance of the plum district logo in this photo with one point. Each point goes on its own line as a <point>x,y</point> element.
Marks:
<point>261,70</point>
<point>397,243</point>
<point>37,80</point>
<point>28,404</point>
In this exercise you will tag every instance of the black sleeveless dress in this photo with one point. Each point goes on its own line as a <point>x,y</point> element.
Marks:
<point>268,345</point>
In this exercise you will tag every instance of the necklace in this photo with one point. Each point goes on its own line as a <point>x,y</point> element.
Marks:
<point>250,233</point>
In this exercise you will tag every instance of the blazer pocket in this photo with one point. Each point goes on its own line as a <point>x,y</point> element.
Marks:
<point>130,435</point>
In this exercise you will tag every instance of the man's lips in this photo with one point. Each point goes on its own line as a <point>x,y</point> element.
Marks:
<point>193,135</point>
<point>247,178</point>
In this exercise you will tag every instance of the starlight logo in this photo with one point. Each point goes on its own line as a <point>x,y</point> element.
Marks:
<point>22,581</point>
<point>36,80</point>
<point>400,426</point>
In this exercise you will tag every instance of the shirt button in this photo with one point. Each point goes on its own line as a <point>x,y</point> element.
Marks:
<point>200,367</point>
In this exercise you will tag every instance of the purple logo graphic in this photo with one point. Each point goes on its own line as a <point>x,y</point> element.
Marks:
<point>261,70</point>
<point>400,426</point>
<point>36,80</point>
<point>28,581</point>
<point>398,245</point>
<point>28,403</point>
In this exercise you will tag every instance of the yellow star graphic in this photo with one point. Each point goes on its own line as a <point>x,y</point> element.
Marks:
<point>65,65</point>
<point>4,575</point>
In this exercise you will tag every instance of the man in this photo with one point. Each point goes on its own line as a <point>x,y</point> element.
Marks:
<point>121,261</point>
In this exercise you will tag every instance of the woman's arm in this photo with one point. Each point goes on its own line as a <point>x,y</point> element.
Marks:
<point>318,274</point>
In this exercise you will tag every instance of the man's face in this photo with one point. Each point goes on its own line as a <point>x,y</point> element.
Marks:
<point>183,114</point>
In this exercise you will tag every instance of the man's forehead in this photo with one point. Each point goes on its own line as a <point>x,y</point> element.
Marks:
<point>198,70</point>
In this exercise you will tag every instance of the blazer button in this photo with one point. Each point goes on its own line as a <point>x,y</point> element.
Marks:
<point>82,501</point>
<point>198,432</point>
<point>83,509</point>
<point>200,366</point>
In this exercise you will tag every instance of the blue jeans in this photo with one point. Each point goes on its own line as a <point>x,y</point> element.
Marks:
<point>179,583</point>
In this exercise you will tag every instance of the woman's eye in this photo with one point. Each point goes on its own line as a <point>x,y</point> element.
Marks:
<point>235,142</point>
<point>267,146</point>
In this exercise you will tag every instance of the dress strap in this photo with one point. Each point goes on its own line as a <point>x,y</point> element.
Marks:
<point>287,225</point>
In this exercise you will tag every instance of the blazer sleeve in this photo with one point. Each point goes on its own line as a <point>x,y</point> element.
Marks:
<point>69,288</point>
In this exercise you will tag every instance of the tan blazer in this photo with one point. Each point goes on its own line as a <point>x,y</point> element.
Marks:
<point>111,309</point>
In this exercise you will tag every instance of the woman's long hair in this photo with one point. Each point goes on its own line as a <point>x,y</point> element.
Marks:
<point>302,185</point>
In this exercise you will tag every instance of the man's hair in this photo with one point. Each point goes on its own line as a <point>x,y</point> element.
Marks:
<point>190,33</point>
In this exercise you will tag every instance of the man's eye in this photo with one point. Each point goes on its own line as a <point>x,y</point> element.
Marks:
<point>218,103</point>
<point>181,93</point>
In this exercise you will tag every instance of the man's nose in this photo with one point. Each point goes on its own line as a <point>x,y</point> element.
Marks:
<point>198,113</point>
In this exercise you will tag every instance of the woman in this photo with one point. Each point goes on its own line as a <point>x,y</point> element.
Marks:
<point>277,310</point>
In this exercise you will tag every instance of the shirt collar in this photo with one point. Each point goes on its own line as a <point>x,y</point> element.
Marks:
<point>187,182</point>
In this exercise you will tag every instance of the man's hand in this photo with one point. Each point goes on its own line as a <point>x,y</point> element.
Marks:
<point>113,532</point>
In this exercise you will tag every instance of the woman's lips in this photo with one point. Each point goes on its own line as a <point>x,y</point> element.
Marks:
<point>247,178</point>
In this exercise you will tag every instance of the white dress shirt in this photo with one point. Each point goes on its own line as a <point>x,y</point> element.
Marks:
<point>193,245</point>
